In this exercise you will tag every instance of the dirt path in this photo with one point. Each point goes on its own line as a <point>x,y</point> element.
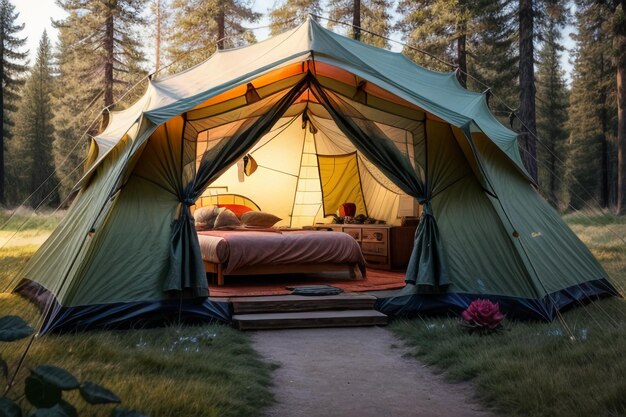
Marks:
<point>356,372</point>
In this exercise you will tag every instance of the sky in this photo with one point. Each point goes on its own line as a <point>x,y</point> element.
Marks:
<point>37,15</point>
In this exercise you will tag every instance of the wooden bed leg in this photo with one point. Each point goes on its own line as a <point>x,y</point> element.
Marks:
<point>220,275</point>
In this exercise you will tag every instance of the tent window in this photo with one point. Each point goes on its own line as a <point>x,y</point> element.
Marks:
<point>341,182</point>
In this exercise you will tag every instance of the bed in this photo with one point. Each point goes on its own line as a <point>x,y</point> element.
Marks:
<point>279,251</point>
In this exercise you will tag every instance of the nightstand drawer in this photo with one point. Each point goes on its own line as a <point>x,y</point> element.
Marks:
<point>375,235</point>
<point>377,248</point>
<point>354,232</point>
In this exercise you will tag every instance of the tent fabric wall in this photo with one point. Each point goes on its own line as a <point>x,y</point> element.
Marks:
<point>484,232</point>
<point>341,182</point>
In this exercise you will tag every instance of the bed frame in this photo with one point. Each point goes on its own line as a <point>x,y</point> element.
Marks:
<point>218,270</point>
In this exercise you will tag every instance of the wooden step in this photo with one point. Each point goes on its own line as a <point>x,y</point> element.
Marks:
<point>289,303</point>
<point>306,319</point>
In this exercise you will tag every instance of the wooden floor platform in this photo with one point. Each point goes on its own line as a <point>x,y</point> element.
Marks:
<point>260,285</point>
<point>306,319</point>
<point>295,311</point>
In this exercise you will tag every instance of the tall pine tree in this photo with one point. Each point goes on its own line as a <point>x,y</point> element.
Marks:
<point>619,61</point>
<point>99,58</point>
<point>162,14</point>
<point>372,15</point>
<point>202,26</point>
<point>552,96</point>
<point>534,16</point>
<point>439,27</point>
<point>590,166</point>
<point>292,13</point>
<point>492,53</point>
<point>12,66</point>
<point>31,146</point>
<point>476,35</point>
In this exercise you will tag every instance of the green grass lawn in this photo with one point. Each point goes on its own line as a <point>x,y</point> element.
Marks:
<point>185,371</point>
<point>531,369</point>
<point>535,369</point>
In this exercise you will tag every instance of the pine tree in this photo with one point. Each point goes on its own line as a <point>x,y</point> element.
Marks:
<point>439,27</point>
<point>31,146</point>
<point>592,110</point>
<point>202,26</point>
<point>533,18</point>
<point>372,15</point>
<point>476,35</point>
<point>99,58</point>
<point>292,13</point>
<point>162,14</point>
<point>12,66</point>
<point>492,54</point>
<point>552,103</point>
<point>619,61</point>
<point>527,111</point>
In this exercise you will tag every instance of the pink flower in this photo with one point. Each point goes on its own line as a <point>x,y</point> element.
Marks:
<point>483,313</point>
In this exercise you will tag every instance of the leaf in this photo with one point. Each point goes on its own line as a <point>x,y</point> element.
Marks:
<point>9,409</point>
<point>55,411</point>
<point>14,328</point>
<point>40,393</point>
<point>56,376</point>
<point>96,394</point>
<point>68,408</point>
<point>121,412</point>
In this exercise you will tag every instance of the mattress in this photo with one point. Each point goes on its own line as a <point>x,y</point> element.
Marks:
<point>237,248</point>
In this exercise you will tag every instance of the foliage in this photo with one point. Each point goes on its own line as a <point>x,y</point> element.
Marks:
<point>374,15</point>
<point>99,58</point>
<point>12,60</point>
<point>161,29</point>
<point>45,385</point>
<point>592,116</point>
<point>197,27</point>
<point>552,103</point>
<point>30,150</point>
<point>292,13</point>
<point>489,30</point>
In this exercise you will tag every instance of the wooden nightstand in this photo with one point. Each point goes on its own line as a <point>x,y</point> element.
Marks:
<point>383,246</point>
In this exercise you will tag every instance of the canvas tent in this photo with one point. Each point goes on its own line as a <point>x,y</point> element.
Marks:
<point>127,250</point>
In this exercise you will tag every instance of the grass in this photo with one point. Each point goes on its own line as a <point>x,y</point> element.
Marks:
<point>186,371</point>
<point>535,369</point>
<point>531,369</point>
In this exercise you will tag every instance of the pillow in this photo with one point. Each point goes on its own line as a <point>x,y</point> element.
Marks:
<point>259,219</point>
<point>226,218</point>
<point>238,209</point>
<point>205,217</point>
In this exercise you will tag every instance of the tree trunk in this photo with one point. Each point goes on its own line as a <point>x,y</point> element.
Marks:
<point>528,129</point>
<point>221,27</point>
<point>157,52</point>
<point>604,163</point>
<point>1,126</point>
<point>462,58</point>
<point>552,187</point>
<point>109,43</point>
<point>620,64</point>
<point>356,20</point>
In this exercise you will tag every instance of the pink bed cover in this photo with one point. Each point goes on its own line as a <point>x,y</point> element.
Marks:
<point>237,248</point>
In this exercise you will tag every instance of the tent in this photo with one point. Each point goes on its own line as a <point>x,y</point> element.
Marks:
<point>127,250</point>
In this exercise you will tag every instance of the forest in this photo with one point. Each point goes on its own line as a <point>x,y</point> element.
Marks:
<point>572,129</point>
